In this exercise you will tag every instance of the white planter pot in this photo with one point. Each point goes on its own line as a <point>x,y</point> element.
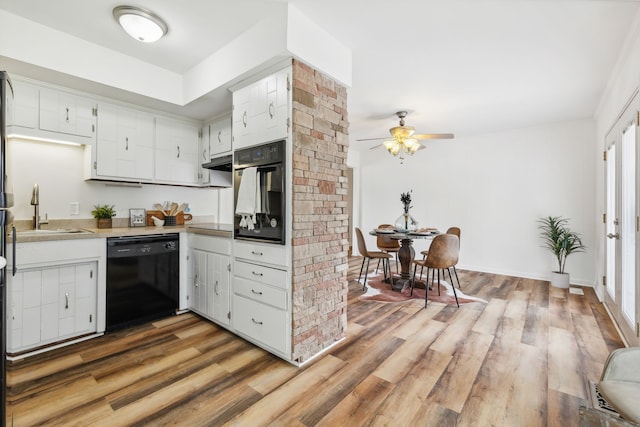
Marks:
<point>559,280</point>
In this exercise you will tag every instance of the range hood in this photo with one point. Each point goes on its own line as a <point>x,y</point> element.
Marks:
<point>222,163</point>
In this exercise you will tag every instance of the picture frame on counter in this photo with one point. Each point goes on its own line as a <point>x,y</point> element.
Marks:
<point>137,217</point>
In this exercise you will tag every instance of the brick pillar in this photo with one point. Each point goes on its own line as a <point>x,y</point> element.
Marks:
<point>320,217</point>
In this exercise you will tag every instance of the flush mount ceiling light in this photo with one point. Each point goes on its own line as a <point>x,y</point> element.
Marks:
<point>140,24</point>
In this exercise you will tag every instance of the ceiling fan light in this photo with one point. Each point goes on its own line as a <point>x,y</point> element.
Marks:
<point>392,147</point>
<point>410,142</point>
<point>140,24</point>
<point>413,149</point>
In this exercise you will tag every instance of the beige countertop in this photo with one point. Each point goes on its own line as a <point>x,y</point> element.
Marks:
<point>50,233</point>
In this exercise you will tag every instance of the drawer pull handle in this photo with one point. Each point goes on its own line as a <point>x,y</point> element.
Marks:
<point>66,300</point>
<point>257,253</point>
<point>253,291</point>
<point>215,288</point>
<point>244,119</point>
<point>272,111</point>
<point>257,274</point>
<point>255,321</point>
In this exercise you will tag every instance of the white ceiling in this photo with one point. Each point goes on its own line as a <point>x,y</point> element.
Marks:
<point>461,66</point>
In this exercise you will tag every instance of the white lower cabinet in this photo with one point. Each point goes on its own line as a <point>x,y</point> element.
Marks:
<point>53,295</point>
<point>261,322</point>
<point>210,275</point>
<point>261,309</point>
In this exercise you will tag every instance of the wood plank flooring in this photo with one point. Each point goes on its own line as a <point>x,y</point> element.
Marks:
<point>523,359</point>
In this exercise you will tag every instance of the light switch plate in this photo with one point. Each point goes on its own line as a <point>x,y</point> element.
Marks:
<point>74,208</point>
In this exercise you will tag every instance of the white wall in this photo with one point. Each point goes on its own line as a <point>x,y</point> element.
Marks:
<point>494,187</point>
<point>58,170</point>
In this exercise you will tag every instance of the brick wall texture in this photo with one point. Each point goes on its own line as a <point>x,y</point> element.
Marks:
<point>320,217</point>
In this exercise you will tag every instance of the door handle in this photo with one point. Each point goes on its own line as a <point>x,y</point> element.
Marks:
<point>613,236</point>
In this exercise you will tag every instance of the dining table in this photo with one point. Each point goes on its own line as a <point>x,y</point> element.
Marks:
<point>406,253</point>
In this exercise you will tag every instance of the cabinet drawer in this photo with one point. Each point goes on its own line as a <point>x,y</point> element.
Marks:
<point>261,322</point>
<point>261,274</point>
<point>220,245</point>
<point>269,254</point>
<point>260,292</point>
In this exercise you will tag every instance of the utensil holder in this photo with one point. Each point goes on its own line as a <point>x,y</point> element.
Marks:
<point>169,220</point>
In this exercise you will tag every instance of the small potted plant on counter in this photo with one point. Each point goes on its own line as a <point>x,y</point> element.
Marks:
<point>104,213</point>
<point>560,240</point>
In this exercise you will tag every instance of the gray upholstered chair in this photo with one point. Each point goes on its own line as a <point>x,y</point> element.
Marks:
<point>620,382</point>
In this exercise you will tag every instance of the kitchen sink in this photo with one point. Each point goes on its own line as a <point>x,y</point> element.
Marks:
<point>54,231</point>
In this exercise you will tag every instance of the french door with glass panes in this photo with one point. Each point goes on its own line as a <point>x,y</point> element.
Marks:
<point>622,222</point>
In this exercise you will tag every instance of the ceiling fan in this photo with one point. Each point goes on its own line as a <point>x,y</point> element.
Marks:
<point>405,140</point>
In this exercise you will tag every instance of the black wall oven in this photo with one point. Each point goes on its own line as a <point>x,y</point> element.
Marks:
<point>259,193</point>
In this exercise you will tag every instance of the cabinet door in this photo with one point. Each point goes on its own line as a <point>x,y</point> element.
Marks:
<point>24,111</point>
<point>277,118</point>
<point>51,304</point>
<point>220,136</point>
<point>220,287</point>
<point>66,113</point>
<point>261,111</point>
<point>176,151</point>
<point>199,285</point>
<point>124,146</point>
<point>85,298</point>
<point>204,175</point>
<point>241,127</point>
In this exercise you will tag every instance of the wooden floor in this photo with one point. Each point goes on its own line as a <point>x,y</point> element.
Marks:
<point>523,359</point>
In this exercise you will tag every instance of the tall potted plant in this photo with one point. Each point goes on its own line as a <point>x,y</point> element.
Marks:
<point>560,240</point>
<point>104,215</point>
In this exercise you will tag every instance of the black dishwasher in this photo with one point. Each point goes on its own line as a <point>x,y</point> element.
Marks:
<point>143,275</point>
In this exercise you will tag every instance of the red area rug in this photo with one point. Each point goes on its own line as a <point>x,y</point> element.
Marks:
<point>377,290</point>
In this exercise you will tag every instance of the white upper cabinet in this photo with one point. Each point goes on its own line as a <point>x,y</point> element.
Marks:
<point>23,111</point>
<point>177,145</point>
<point>124,144</point>
<point>261,111</point>
<point>220,136</point>
<point>67,113</point>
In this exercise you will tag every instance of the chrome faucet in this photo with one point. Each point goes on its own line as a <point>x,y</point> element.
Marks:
<point>35,201</point>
